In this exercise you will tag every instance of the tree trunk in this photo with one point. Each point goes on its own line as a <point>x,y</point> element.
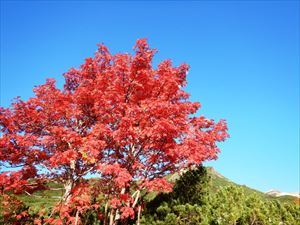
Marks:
<point>76,218</point>
<point>70,182</point>
<point>68,187</point>
<point>137,193</point>
<point>118,216</point>
<point>105,214</point>
<point>139,215</point>
<point>111,217</point>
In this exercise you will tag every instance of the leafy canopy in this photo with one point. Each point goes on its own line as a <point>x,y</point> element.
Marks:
<point>117,117</point>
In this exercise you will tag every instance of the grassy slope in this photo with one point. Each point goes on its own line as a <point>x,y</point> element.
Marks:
<point>45,198</point>
<point>219,181</point>
<point>49,197</point>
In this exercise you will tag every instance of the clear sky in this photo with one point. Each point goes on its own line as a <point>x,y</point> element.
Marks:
<point>244,59</point>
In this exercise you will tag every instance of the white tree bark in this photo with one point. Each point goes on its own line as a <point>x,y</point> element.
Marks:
<point>139,216</point>
<point>118,216</point>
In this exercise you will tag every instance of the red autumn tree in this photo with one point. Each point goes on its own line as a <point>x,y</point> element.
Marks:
<point>117,117</point>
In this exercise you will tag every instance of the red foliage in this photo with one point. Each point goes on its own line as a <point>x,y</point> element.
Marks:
<point>158,184</point>
<point>127,212</point>
<point>116,116</point>
<point>13,211</point>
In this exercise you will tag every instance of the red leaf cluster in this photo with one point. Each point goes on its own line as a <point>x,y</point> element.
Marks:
<point>118,117</point>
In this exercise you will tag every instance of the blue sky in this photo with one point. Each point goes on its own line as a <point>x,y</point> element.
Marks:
<point>244,59</point>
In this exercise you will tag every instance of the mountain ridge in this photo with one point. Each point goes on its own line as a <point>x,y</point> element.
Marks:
<point>217,180</point>
<point>48,197</point>
<point>277,193</point>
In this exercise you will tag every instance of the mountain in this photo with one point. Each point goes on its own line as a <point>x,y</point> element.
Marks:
<point>48,197</point>
<point>279,193</point>
<point>219,180</point>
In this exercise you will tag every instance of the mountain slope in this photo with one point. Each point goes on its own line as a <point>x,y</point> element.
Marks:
<point>219,180</point>
<point>49,197</point>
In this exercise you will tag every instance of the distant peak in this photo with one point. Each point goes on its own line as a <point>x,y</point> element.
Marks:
<point>277,193</point>
<point>214,172</point>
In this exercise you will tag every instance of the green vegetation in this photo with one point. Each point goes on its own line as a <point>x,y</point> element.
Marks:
<point>44,198</point>
<point>200,196</point>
